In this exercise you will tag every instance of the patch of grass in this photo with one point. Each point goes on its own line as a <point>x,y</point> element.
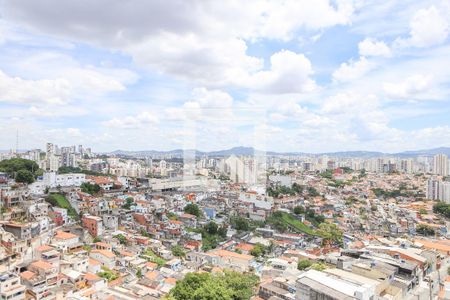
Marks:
<point>149,255</point>
<point>61,201</point>
<point>291,222</point>
<point>108,274</point>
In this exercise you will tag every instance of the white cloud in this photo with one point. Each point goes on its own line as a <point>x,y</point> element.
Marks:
<point>206,105</point>
<point>353,69</point>
<point>207,61</point>
<point>409,87</point>
<point>350,103</point>
<point>56,111</point>
<point>61,80</point>
<point>289,73</point>
<point>133,122</point>
<point>18,90</point>
<point>201,42</point>
<point>279,20</point>
<point>372,47</point>
<point>429,27</point>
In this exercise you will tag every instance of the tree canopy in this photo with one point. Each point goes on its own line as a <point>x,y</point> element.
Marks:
<point>304,264</point>
<point>330,233</point>
<point>23,170</point>
<point>442,208</point>
<point>425,229</point>
<point>193,209</point>
<point>224,286</point>
<point>87,187</point>
<point>178,251</point>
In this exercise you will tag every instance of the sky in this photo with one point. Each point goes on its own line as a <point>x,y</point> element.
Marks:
<point>300,75</point>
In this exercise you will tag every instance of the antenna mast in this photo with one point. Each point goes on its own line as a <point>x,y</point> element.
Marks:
<point>17,142</point>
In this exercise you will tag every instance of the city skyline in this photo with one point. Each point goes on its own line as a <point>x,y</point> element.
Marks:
<point>296,76</point>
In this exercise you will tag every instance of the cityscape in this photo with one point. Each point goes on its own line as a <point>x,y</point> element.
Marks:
<point>224,150</point>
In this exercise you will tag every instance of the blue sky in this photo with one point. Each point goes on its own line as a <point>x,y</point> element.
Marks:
<point>294,75</point>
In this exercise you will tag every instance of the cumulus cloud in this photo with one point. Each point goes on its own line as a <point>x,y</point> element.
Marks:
<point>289,73</point>
<point>133,122</point>
<point>197,41</point>
<point>428,27</point>
<point>353,69</point>
<point>18,90</point>
<point>205,105</point>
<point>62,84</point>
<point>409,87</point>
<point>372,47</point>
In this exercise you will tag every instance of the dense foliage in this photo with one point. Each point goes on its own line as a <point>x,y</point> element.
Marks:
<point>424,229</point>
<point>22,170</point>
<point>206,286</point>
<point>259,250</point>
<point>330,233</point>
<point>240,223</point>
<point>65,170</point>
<point>304,264</point>
<point>212,234</point>
<point>279,191</point>
<point>87,187</point>
<point>178,251</point>
<point>24,176</point>
<point>108,274</point>
<point>313,192</point>
<point>129,202</point>
<point>121,238</point>
<point>193,209</point>
<point>442,208</point>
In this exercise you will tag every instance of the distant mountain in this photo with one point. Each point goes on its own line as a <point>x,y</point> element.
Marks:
<point>363,154</point>
<point>434,151</point>
<point>247,151</point>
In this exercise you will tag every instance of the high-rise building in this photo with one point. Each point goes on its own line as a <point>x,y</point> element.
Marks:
<point>438,190</point>
<point>50,149</point>
<point>440,164</point>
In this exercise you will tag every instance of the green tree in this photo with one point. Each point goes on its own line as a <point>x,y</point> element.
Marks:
<point>121,238</point>
<point>313,192</point>
<point>129,202</point>
<point>330,233</point>
<point>178,251</point>
<point>24,176</point>
<point>318,266</point>
<point>14,165</point>
<point>222,231</point>
<point>240,223</point>
<point>193,209</point>
<point>226,286</point>
<point>97,239</point>
<point>108,274</point>
<point>304,264</point>
<point>87,187</point>
<point>211,228</point>
<point>139,273</point>
<point>425,229</point>
<point>22,170</point>
<point>298,210</point>
<point>66,169</point>
<point>258,250</point>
